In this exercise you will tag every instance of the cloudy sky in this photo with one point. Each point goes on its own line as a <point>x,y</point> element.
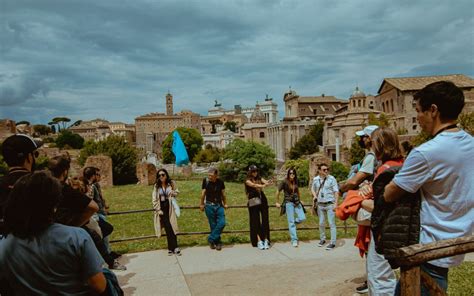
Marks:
<point>117,59</point>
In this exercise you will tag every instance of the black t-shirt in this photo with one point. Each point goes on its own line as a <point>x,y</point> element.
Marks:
<point>213,190</point>
<point>6,185</point>
<point>287,190</point>
<point>72,205</point>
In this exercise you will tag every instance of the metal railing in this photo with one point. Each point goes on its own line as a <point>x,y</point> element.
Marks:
<point>345,226</point>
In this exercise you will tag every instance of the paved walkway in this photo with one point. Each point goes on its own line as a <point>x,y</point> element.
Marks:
<point>243,270</point>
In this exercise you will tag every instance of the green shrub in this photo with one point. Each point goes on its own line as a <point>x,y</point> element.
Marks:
<point>244,153</point>
<point>302,170</point>
<point>123,155</point>
<point>339,170</point>
<point>308,144</point>
<point>208,155</point>
<point>192,140</point>
<point>68,138</point>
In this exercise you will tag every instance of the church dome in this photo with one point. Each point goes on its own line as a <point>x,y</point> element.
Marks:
<point>257,115</point>
<point>357,93</point>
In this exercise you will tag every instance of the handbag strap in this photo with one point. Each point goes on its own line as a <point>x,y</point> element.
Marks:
<point>320,186</point>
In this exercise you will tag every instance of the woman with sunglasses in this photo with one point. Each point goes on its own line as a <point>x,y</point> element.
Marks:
<point>291,204</point>
<point>258,209</point>
<point>164,192</point>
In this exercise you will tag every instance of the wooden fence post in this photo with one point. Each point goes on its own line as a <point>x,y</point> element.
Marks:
<point>410,281</point>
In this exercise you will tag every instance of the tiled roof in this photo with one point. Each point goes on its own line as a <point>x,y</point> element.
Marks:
<point>417,83</point>
<point>321,99</point>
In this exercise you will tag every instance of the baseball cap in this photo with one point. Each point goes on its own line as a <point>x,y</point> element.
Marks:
<point>367,131</point>
<point>253,167</point>
<point>19,143</point>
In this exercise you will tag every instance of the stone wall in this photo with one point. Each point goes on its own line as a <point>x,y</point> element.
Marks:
<point>146,173</point>
<point>104,163</point>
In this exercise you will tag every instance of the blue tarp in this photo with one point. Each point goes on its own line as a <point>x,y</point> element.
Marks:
<point>179,150</point>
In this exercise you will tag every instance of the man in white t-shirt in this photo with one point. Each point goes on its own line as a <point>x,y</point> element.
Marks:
<point>442,170</point>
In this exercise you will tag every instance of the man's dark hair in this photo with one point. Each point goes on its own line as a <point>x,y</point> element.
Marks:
<point>89,172</point>
<point>59,164</point>
<point>213,171</point>
<point>445,95</point>
<point>320,166</point>
<point>27,214</point>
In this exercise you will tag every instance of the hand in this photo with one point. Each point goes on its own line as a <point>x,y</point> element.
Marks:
<point>160,212</point>
<point>201,207</point>
<point>365,190</point>
<point>225,206</point>
<point>277,205</point>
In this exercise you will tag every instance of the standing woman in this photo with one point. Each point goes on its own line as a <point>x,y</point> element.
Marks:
<point>258,209</point>
<point>291,204</point>
<point>164,192</point>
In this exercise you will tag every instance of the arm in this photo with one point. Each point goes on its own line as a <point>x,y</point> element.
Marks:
<point>175,191</point>
<point>255,185</point>
<point>354,181</point>
<point>90,210</point>
<point>224,199</point>
<point>201,204</point>
<point>368,204</point>
<point>313,193</point>
<point>97,283</point>
<point>277,198</point>
<point>393,192</point>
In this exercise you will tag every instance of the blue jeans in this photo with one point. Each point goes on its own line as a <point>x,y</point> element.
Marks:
<point>322,210</point>
<point>291,210</point>
<point>216,216</point>
<point>440,278</point>
<point>106,239</point>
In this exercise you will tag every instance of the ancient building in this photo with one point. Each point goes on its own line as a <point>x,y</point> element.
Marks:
<point>395,98</point>
<point>153,128</point>
<point>257,128</point>
<point>7,128</point>
<point>301,113</point>
<point>100,129</point>
<point>340,128</point>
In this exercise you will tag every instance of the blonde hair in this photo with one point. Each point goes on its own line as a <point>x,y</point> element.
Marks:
<point>385,144</point>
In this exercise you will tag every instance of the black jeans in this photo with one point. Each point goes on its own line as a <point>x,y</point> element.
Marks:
<point>259,222</point>
<point>165,219</point>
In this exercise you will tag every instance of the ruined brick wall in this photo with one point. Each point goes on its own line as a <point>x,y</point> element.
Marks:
<point>104,163</point>
<point>146,173</point>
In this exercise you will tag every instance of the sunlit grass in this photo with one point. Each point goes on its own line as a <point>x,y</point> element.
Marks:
<point>135,197</point>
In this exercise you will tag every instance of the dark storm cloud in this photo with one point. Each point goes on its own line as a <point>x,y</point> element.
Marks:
<point>88,59</point>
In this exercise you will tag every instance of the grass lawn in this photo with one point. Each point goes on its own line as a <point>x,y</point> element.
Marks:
<point>136,197</point>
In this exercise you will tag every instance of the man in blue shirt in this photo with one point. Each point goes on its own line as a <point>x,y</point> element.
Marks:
<point>326,193</point>
<point>442,170</point>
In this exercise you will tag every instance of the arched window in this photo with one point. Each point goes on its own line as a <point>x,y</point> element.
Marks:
<point>391,105</point>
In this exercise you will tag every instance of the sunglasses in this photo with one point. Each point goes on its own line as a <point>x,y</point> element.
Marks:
<point>292,174</point>
<point>162,175</point>
<point>325,170</point>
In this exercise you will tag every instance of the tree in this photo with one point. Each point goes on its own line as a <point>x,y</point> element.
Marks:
<point>230,125</point>
<point>60,122</point>
<point>239,155</point>
<point>208,155</point>
<point>192,140</point>
<point>339,171</point>
<point>466,121</point>
<point>124,157</point>
<point>382,120</point>
<point>70,139</point>
<point>356,152</point>
<point>308,144</point>
<point>42,129</point>
<point>302,170</point>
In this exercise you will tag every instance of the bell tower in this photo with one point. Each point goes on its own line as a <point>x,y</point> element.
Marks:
<point>169,104</point>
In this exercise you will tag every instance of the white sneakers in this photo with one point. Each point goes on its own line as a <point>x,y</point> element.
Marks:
<point>294,243</point>
<point>263,245</point>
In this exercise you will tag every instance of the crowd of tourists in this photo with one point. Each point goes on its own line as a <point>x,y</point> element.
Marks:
<point>55,241</point>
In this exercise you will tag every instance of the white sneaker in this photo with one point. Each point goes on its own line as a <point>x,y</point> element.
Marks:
<point>294,243</point>
<point>266,244</point>
<point>260,245</point>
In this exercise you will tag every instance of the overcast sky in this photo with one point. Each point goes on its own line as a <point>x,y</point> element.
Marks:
<point>117,59</point>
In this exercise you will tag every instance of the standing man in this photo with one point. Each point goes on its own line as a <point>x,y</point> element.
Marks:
<point>213,201</point>
<point>442,170</point>
<point>368,164</point>
<point>365,173</point>
<point>20,153</point>
<point>325,196</point>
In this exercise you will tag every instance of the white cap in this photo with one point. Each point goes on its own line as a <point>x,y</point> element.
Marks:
<point>367,131</point>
